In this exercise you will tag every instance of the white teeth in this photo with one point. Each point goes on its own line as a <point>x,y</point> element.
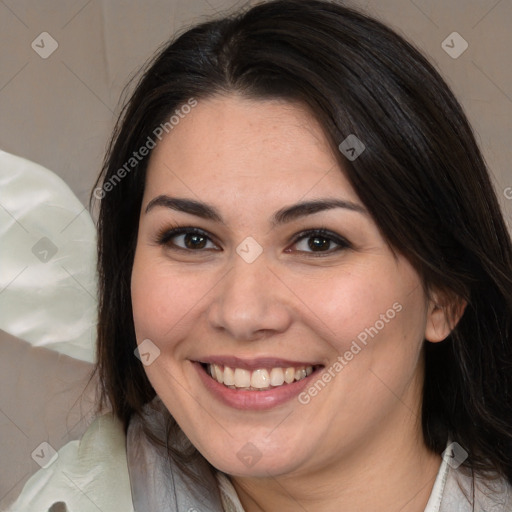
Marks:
<point>289,375</point>
<point>219,374</point>
<point>276,377</point>
<point>261,378</point>
<point>229,375</point>
<point>242,378</point>
<point>300,373</point>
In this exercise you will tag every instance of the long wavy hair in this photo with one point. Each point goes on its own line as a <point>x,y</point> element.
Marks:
<point>422,178</point>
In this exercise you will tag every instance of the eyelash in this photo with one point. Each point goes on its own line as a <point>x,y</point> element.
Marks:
<point>165,236</point>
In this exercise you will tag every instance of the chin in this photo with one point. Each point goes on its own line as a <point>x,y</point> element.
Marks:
<point>250,461</point>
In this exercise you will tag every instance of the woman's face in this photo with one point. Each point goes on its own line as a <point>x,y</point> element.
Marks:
<point>318,335</point>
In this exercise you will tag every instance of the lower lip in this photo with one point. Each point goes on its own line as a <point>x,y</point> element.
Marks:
<point>253,400</point>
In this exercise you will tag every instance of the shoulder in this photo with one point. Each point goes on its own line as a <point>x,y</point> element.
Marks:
<point>86,475</point>
<point>463,492</point>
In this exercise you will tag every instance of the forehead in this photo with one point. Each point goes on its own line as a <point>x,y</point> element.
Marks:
<point>234,147</point>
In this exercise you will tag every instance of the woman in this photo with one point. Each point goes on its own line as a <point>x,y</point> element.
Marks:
<point>305,282</point>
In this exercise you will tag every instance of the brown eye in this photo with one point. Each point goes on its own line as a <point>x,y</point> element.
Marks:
<point>194,241</point>
<point>187,239</point>
<point>320,241</point>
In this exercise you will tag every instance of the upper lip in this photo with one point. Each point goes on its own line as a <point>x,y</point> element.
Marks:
<point>254,363</point>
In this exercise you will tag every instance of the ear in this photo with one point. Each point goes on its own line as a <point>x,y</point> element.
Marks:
<point>443,315</point>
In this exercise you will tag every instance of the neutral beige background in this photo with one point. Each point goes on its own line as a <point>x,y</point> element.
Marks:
<point>59,112</point>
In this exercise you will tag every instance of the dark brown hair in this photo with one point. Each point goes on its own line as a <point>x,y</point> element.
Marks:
<point>422,178</point>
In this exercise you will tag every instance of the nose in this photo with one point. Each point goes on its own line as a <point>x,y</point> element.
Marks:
<point>250,301</point>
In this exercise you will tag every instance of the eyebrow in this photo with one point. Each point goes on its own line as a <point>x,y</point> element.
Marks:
<point>282,216</point>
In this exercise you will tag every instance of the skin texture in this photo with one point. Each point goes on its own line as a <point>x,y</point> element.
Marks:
<point>361,432</point>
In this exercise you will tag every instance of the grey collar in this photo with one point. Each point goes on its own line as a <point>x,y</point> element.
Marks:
<point>157,484</point>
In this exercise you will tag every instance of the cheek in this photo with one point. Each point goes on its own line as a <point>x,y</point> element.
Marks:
<point>376,310</point>
<point>155,308</point>
<point>164,300</point>
<point>345,304</point>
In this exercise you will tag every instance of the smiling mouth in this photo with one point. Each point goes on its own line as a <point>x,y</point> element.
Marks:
<point>261,379</point>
